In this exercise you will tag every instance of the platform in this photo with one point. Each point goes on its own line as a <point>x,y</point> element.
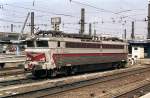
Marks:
<point>146,96</point>
<point>12,58</point>
<point>144,61</point>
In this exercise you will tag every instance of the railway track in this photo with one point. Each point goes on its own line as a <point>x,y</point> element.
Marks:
<point>50,88</point>
<point>12,59</point>
<point>136,93</point>
<point>19,81</point>
<point>14,72</point>
<point>128,91</point>
<point>9,68</point>
<point>14,76</point>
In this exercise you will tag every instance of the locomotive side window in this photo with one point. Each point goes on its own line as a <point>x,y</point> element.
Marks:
<point>113,46</point>
<point>30,44</point>
<point>135,48</point>
<point>82,45</point>
<point>92,45</point>
<point>58,44</point>
<point>42,43</point>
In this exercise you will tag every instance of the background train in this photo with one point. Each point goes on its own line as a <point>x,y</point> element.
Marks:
<point>50,53</point>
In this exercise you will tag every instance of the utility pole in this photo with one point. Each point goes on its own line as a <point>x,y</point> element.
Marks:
<point>25,22</point>
<point>148,35</point>
<point>90,29</point>
<point>94,32</point>
<point>32,23</point>
<point>125,34</point>
<point>132,34</point>
<point>23,27</point>
<point>94,23</point>
<point>82,22</point>
<point>12,27</point>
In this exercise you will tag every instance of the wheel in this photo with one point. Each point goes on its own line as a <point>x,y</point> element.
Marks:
<point>39,73</point>
<point>115,65</point>
<point>119,65</point>
<point>122,64</point>
<point>25,69</point>
<point>73,70</point>
<point>52,73</point>
<point>66,71</point>
<point>2,65</point>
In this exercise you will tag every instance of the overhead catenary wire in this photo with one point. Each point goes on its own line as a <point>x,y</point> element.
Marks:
<point>100,9</point>
<point>72,1</point>
<point>104,10</point>
<point>105,21</point>
<point>43,11</point>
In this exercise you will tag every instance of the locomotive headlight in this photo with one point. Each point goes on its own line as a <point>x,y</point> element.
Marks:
<point>28,59</point>
<point>43,59</point>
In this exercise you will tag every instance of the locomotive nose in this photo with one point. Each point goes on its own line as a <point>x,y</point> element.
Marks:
<point>31,65</point>
<point>35,59</point>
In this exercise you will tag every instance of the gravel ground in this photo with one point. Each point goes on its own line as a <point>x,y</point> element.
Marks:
<point>101,88</point>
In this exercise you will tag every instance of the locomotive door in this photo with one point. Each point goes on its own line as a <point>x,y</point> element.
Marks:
<point>101,48</point>
<point>60,52</point>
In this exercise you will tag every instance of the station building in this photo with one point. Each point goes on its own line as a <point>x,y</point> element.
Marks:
<point>7,36</point>
<point>8,42</point>
<point>139,48</point>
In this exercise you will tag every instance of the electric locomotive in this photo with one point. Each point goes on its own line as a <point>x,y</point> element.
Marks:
<point>53,52</point>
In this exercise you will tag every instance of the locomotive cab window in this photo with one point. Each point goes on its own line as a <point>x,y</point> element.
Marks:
<point>30,44</point>
<point>42,43</point>
<point>135,48</point>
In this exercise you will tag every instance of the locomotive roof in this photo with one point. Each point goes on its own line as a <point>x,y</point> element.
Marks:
<point>62,39</point>
<point>60,33</point>
<point>61,36</point>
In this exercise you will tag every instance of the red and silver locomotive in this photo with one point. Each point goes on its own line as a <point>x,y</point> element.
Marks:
<point>51,53</point>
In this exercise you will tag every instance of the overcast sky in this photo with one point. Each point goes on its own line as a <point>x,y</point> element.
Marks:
<point>111,16</point>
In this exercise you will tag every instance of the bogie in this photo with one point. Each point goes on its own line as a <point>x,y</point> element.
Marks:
<point>77,69</point>
<point>40,73</point>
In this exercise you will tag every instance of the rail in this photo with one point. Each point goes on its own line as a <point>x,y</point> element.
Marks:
<point>12,58</point>
<point>56,87</point>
